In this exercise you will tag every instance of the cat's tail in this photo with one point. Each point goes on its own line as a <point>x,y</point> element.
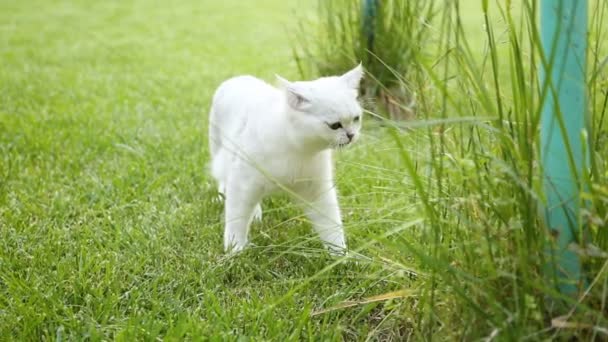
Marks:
<point>215,146</point>
<point>215,142</point>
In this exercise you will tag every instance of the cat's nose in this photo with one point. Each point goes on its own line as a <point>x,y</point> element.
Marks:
<point>350,136</point>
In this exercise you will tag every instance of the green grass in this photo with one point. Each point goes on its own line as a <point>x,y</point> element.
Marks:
<point>109,229</point>
<point>107,223</point>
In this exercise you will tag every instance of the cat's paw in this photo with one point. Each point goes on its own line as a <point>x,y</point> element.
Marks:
<point>350,257</point>
<point>234,249</point>
<point>219,198</point>
<point>357,258</point>
<point>336,251</point>
<point>257,213</point>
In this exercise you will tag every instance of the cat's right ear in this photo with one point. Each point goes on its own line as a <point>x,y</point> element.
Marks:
<point>353,77</point>
<point>295,99</point>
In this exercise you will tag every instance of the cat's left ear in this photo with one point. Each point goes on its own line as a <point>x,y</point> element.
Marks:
<point>353,77</point>
<point>296,97</point>
<point>285,84</point>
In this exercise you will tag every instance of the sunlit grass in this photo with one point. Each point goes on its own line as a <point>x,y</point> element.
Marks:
<point>106,214</point>
<point>110,231</point>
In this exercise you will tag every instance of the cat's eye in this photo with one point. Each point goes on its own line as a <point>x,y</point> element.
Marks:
<point>335,125</point>
<point>357,118</point>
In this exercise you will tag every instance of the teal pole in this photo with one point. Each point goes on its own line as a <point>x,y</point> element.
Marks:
<point>563,148</point>
<point>370,9</point>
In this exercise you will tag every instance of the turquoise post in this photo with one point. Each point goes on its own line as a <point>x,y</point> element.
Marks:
<point>370,8</point>
<point>564,151</point>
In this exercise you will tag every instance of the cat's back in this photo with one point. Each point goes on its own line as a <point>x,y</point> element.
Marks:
<point>241,97</point>
<point>237,103</point>
<point>244,90</point>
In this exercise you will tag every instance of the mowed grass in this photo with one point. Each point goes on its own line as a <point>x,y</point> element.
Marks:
<point>109,227</point>
<point>108,223</point>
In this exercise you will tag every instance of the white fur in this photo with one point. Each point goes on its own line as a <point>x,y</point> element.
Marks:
<point>263,139</point>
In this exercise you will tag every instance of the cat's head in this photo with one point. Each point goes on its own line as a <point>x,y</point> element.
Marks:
<point>325,111</point>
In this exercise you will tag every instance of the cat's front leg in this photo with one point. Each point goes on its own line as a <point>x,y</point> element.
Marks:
<point>320,204</point>
<point>241,201</point>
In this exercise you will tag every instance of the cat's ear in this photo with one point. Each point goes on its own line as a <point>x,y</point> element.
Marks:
<point>282,82</point>
<point>295,97</point>
<point>353,77</point>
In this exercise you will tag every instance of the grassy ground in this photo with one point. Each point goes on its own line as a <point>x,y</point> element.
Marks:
<point>107,221</point>
<point>106,218</point>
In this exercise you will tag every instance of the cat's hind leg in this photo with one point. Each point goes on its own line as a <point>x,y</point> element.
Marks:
<point>218,171</point>
<point>242,202</point>
<point>257,212</point>
<point>221,192</point>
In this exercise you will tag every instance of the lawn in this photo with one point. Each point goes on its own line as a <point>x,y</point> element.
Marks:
<point>106,214</point>
<point>109,225</point>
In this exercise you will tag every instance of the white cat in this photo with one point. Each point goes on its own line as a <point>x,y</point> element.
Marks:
<point>263,139</point>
